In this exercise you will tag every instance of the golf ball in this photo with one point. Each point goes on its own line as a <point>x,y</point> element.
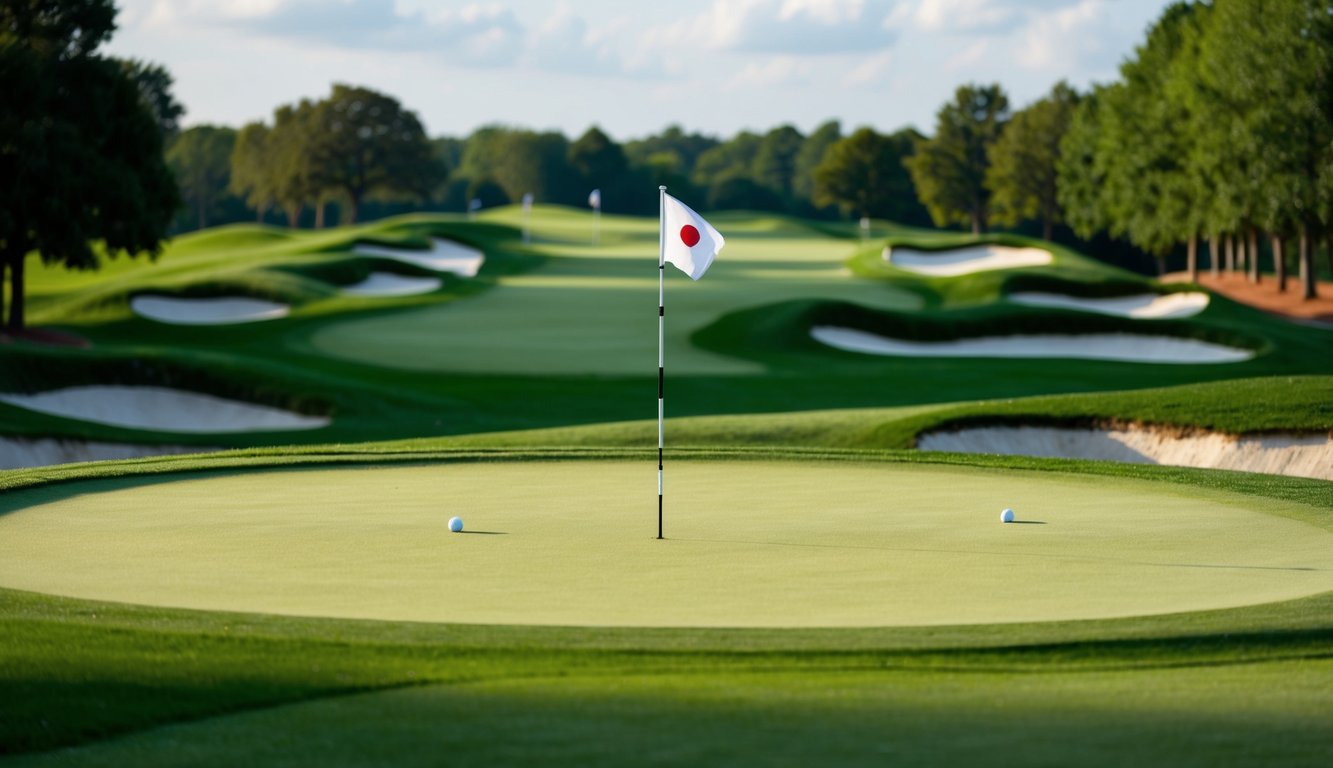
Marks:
<point>456,524</point>
<point>1006,516</point>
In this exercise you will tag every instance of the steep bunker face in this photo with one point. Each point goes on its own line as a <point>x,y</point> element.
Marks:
<point>750,543</point>
<point>443,256</point>
<point>1299,456</point>
<point>965,261</point>
<point>1140,307</point>
<point>388,284</point>
<point>1123,347</point>
<point>213,311</point>
<point>162,410</point>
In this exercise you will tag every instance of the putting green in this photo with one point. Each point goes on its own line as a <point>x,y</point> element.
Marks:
<point>752,543</point>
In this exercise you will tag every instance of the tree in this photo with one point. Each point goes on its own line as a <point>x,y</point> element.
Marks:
<point>362,142</point>
<point>80,156</point>
<point>599,161</point>
<point>682,148</point>
<point>250,176</point>
<point>729,158</point>
<point>949,169</point>
<point>154,83</point>
<point>775,160</point>
<point>201,160</point>
<point>1022,176</point>
<point>865,174</point>
<point>811,155</point>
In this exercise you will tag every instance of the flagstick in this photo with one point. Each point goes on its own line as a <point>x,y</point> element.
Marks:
<point>661,338</point>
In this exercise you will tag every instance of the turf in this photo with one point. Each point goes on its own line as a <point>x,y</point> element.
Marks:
<point>752,544</point>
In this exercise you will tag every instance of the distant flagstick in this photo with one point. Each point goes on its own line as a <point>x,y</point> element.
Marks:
<point>661,338</point>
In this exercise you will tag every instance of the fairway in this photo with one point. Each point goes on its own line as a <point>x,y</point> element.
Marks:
<point>752,543</point>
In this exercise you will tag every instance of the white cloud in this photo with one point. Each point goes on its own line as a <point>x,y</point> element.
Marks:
<point>788,27</point>
<point>775,72</point>
<point>967,57</point>
<point>1055,39</point>
<point>871,70</point>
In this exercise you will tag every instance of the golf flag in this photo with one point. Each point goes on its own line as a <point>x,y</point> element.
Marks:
<point>689,242</point>
<point>595,199</point>
<point>527,202</point>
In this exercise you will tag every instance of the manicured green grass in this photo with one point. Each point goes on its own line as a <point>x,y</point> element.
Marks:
<point>751,543</point>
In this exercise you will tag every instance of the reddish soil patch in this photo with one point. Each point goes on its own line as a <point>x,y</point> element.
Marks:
<point>1265,295</point>
<point>45,336</point>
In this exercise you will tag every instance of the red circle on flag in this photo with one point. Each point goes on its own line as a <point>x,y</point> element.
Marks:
<point>689,235</point>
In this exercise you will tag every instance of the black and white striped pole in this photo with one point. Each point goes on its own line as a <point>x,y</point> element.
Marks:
<point>661,339</point>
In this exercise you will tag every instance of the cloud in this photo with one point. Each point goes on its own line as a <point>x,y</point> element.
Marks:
<point>869,71</point>
<point>980,16</point>
<point>478,35</point>
<point>775,72</point>
<point>1056,39</point>
<point>787,27</point>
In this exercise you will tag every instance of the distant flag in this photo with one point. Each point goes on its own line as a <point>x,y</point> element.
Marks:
<point>595,200</point>
<point>689,242</point>
<point>527,213</point>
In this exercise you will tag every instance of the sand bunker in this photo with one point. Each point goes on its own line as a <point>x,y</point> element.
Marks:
<point>443,256</point>
<point>217,311</point>
<point>163,410</point>
<point>389,284</point>
<point>1275,454</point>
<point>1142,307</point>
<point>1091,346</point>
<point>965,261</point>
<point>17,453</point>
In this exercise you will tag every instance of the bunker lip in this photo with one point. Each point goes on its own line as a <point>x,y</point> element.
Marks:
<point>965,261</point>
<point>162,410</point>
<point>1140,306</point>
<point>443,256</point>
<point>1282,454</point>
<point>22,452</point>
<point>389,284</point>
<point>222,310</point>
<point>1121,347</point>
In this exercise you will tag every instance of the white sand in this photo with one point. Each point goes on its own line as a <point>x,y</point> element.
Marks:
<point>217,311</point>
<point>965,261</point>
<point>1091,346</point>
<point>1141,306</point>
<point>443,256</point>
<point>389,284</point>
<point>1275,454</point>
<point>160,409</point>
<point>16,453</point>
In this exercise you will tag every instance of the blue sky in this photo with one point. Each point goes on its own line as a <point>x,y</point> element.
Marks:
<point>716,66</point>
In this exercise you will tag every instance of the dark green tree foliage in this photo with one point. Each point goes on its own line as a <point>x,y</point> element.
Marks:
<point>363,142</point>
<point>201,159</point>
<point>949,169</point>
<point>154,83</point>
<point>250,176</point>
<point>810,155</point>
<point>1269,65</point>
<point>728,159</point>
<point>1022,176</point>
<point>866,175</point>
<point>599,161</point>
<point>775,161</point>
<point>1080,171</point>
<point>672,150</point>
<point>80,156</point>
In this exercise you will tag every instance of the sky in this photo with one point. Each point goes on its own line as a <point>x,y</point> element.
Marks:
<point>630,67</point>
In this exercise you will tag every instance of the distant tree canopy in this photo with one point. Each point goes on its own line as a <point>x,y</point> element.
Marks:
<point>353,144</point>
<point>81,155</point>
<point>201,159</point>
<point>865,174</point>
<point>949,169</point>
<point>1022,175</point>
<point>1221,124</point>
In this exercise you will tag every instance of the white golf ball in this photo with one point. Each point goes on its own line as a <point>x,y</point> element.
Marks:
<point>456,524</point>
<point>1006,516</point>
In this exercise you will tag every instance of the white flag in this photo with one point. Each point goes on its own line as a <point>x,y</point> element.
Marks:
<point>527,202</point>
<point>690,243</point>
<point>595,199</point>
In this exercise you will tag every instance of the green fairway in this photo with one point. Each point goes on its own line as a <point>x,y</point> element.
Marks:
<point>751,544</point>
<point>594,310</point>
<point>1243,714</point>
